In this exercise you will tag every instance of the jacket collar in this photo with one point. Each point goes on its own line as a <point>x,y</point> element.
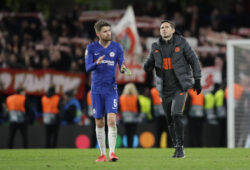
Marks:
<point>176,39</point>
<point>162,41</point>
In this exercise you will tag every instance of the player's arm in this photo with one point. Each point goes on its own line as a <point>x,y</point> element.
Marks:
<point>89,60</point>
<point>193,60</point>
<point>121,60</point>
<point>125,70</point>
<point>150,61</point>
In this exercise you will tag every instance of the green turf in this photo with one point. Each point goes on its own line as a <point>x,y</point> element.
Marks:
<point>134,159</point>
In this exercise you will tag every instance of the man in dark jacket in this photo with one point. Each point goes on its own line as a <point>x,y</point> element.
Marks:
<point>177,69</point>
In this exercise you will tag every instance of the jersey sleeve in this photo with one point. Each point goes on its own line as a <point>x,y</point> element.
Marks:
<point>120,55</point>
<point>89,60</point>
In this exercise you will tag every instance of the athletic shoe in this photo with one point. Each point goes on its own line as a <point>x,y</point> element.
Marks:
<point>101,158</point>
<point>174,155</point>
<point>180,152</point>
<point>113,157</point>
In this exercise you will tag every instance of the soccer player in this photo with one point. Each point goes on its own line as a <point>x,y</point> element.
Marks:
<point>172,58</point>
<point>101,58</point>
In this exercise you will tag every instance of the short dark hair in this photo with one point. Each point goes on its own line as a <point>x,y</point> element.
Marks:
<point>52,89</point>
<point>19,90</point>
<point>172,24</point>
<point>99,24</point>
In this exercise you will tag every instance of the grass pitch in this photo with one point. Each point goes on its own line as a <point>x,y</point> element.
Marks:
<point>129,159</point>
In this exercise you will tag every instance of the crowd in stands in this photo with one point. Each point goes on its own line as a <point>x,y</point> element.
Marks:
<point>28,43</point>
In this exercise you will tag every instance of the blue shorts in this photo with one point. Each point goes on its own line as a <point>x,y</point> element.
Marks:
<point>103,104</point>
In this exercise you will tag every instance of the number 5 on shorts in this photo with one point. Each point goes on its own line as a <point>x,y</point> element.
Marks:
<point>115,103</point>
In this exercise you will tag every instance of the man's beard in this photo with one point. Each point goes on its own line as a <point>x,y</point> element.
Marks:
<point>106,39</point>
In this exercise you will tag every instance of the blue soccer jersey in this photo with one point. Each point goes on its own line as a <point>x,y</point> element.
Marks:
<point>103,86</point>
<point>104,74</point>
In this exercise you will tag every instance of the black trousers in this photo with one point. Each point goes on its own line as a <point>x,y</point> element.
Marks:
<point>51,135</point>
<point>160,126</point>
<point>14,127</point>
<point>173,107</point>
<point>130,130</point>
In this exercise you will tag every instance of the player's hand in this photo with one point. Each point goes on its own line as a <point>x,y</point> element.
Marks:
<point>99,60</point>
<point>197,86</point>
<point>125,70</point>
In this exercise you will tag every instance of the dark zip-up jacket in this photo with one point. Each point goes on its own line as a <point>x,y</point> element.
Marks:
<point>185,63</point>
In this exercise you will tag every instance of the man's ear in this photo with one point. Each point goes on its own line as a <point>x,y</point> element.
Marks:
<point>173,30</point>
<point>97,34</point>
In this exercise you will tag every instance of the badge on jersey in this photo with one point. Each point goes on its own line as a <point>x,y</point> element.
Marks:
<point>112,54</point>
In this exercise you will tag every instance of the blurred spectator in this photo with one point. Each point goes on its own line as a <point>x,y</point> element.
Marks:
<point>59,60</point>
<point>159,115</point>
<point>151,9</point>
<point>209,108</point>
<point>3,111</point>
<point>196,118</point>
<point>216,22</point>
<point>240,15</point>
<point>51,106</point>
<point>55,29</point>
<point>72,111</point>
<point>145,105</point>
<point>12,61</point>
<point>17,106</point>
<point>79,59</point>
<point>90,114</point>
<point>15,44</point>
<point>180,22</point>
<point>221,114</point>
<point>206,59</point>
<point>74,68</point>
<point>46,39</point>
<point>3,60</point>
<point>45,63</point>
<point>192,19</point>
<point>240,99</point>
<point>129,107</point>
<point>238,94</point>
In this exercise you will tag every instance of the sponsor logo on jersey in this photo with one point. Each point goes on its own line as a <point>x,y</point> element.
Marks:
<point>94,111</point>
<point>112,54</point>
<point>96,53</point>
<point>108,62</point>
